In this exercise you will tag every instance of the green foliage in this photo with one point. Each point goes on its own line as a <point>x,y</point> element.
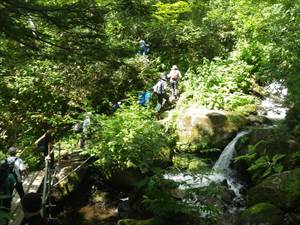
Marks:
<point>221,84</point>
<point>4,216</point>
<point>263,166</point>
<point>129,137</point>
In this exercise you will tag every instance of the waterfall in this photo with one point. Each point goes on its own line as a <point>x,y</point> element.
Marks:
<point>223,163</point>
<point>221,171</point>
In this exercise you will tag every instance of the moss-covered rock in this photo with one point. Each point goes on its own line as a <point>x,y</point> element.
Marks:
<point>261,213</point>
<point>151,221</point>
<point>282,190</point>
<point>188,161</point>
<point>201,128</point>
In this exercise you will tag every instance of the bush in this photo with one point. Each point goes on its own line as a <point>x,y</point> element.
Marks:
<point>129,137</point>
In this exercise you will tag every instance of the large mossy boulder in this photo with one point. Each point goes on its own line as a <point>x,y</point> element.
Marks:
<point>200,128</point>
<point>151,221</point>
<point>261,213</point>
<point>281,189</point>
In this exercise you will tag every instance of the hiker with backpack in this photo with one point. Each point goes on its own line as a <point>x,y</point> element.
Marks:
<point>17,168</point>
<point>160,90</point>
<point>86,132</point>
<point>174,76</point>
<point>144,49</point>
<point>7,184</point>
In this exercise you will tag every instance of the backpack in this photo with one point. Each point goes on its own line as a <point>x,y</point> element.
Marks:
<point>4,172</point>
<point>144,98</point>
<point>174,75</point>
<point>11,166</point>
<point>77,128</point>
<point>159,88</point>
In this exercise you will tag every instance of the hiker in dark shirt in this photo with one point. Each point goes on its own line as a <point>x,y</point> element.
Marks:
<point>7,182</point>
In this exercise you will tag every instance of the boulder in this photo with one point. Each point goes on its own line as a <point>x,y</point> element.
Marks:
<point>281,189</point>
<point>261,213</point>
<point>199,128</point>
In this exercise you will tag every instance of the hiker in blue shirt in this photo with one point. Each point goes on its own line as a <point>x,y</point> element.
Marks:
<point>144,49</point>
<point>144,98</point>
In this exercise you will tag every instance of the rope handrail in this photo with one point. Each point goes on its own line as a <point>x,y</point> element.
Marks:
<point>74,170</point>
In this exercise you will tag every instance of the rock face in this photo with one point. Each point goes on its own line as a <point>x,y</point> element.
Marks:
<point>262,213</point>
<point>201,128</point>
<point>281,190</point>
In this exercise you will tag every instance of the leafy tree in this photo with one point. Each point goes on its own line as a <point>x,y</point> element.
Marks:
<point>130,137</point>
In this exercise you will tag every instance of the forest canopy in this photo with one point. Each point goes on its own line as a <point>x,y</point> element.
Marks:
<point>62,58</point>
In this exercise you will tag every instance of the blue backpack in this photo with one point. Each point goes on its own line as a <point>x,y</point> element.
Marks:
<point>144,98</point>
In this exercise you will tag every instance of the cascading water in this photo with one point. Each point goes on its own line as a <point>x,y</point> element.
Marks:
<point>273,106</point>
<point>222,168</point>
<point>221,171</point>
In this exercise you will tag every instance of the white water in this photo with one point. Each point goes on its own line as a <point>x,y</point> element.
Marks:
<point>273,105</point>
<point>221,172</point>
<point>222,164</point>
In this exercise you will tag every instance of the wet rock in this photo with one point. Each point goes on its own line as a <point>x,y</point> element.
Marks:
<point>282,190</point>
<point>262,213</point>
<point>228,196</point>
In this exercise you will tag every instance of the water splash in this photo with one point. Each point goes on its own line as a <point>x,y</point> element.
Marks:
<point>273,106</point>
<point>221,171</point>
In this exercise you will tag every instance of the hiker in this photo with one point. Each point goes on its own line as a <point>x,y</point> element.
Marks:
<point>44,144</point>
<point>17,168</point>
<point>174,76</point>
<point>32,206</point>
<point>7,184</point>
<point>85,130</point>
<point>144,98</point>
<point>117,105</point>
<point>160,90</point>
<point>144,49</point>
